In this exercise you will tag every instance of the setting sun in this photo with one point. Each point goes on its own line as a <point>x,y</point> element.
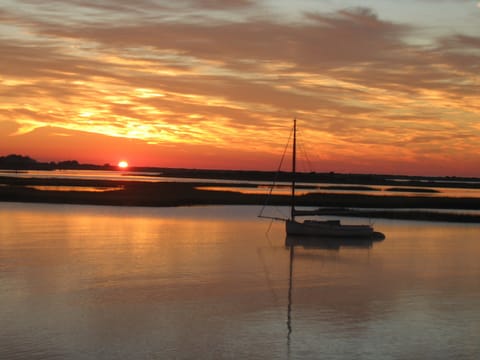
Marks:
<point>228,104</point>
<point>122,164</point>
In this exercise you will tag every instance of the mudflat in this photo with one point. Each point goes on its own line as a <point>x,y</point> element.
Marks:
<point>134,193</point>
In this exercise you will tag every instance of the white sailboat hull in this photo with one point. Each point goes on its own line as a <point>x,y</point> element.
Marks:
<point>330,229</point>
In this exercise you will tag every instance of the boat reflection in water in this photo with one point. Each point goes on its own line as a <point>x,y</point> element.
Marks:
<point>314,243</point>
<point>332,243</point>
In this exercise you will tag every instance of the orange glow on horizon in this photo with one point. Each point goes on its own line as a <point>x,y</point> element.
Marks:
<point>221,92</point>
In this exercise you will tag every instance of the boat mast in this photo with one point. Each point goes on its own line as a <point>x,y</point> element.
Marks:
<point>294,161</point>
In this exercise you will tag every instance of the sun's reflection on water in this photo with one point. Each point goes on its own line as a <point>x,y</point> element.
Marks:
<point>74,188</point>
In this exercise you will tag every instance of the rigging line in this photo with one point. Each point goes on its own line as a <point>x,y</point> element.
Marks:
<point>276,175</point>
<point>303,149</point>
<point>269,226</point>
<point>307,159</point>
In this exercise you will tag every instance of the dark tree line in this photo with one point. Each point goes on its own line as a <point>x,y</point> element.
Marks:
<point>21,162</point>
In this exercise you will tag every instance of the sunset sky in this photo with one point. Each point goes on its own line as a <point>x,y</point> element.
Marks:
<point>377,86</point>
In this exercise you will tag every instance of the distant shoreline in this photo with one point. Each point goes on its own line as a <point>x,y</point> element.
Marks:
<point>165,194</point>
<point>19,164</point>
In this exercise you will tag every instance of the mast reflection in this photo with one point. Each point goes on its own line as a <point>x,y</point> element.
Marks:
<point>329,244</point>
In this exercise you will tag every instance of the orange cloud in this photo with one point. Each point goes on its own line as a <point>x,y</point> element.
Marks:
<point>227,82</point>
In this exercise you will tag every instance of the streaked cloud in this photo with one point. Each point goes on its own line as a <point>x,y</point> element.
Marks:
<point>228,75</point>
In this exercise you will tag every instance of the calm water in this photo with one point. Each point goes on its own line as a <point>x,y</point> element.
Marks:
<point>94,282</point>
<point>264,187</point>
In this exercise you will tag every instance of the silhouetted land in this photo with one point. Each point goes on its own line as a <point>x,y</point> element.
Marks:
<point>19,162</point>
<point>133,193</point>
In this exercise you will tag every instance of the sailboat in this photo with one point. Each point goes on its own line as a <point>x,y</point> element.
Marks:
<point>322,228</point>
